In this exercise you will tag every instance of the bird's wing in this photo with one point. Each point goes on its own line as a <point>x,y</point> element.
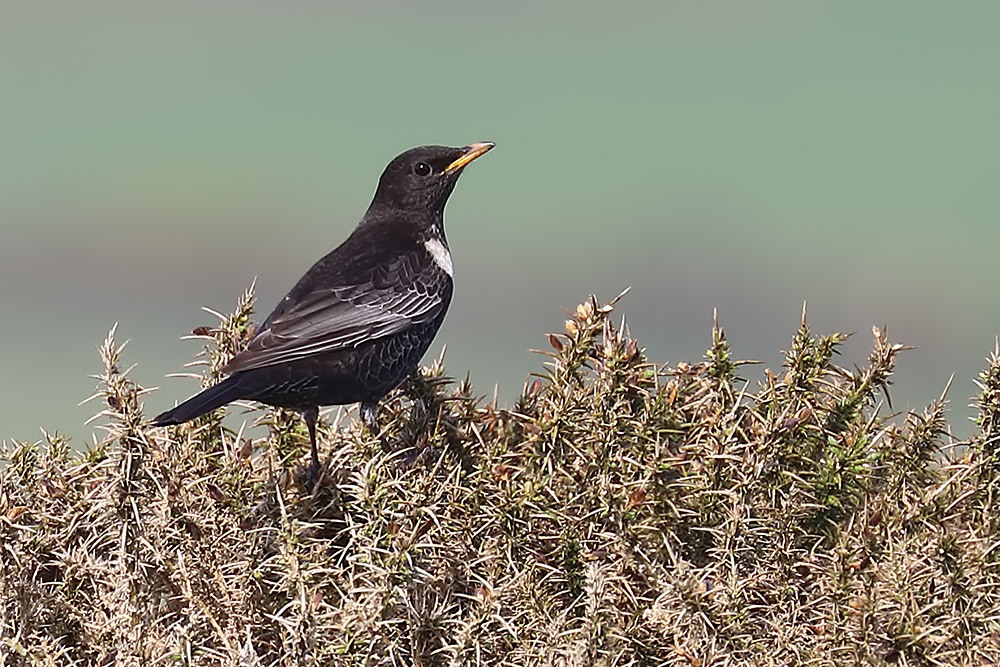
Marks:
<point>398,295</point>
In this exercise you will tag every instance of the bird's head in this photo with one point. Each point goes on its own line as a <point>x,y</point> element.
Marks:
<point>421,179</point>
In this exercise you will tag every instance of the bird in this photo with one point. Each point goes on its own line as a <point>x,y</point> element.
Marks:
<point>358,322</point>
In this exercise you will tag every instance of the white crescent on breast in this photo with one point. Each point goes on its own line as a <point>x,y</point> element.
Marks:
<point>441,256</point>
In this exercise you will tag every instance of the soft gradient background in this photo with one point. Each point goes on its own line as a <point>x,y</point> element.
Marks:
<point>155,157</point>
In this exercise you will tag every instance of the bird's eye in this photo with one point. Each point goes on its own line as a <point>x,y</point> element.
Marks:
<point>421,169</point>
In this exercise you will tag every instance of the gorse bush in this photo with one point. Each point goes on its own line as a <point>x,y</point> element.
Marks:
<point>620,512</point>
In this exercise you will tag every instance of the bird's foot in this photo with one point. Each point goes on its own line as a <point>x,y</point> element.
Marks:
<point>409,457</point>
<point>311,477</point>
<point>384,441</point>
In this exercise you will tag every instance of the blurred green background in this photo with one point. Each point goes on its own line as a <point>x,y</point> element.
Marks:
<point>156,157</point>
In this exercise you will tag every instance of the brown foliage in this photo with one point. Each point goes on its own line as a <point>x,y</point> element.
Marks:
<point>620,513</point>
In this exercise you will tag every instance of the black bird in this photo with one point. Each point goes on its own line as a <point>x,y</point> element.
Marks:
<point>358,322</point>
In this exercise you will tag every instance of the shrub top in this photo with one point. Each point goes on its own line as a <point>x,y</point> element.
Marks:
<point>619,512</point>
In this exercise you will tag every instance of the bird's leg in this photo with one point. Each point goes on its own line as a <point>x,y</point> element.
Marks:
<point>369,417</point>
<point>311,415</point>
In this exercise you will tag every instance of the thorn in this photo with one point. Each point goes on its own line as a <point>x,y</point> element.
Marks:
<point>214,312</point>
<point>620,295</point>
<point>947,387</point>
<point>888,398</point>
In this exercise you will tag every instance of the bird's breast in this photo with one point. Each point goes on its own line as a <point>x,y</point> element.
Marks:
<point>440,255</point>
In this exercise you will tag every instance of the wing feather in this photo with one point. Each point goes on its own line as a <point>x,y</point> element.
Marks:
<point>396,296</point>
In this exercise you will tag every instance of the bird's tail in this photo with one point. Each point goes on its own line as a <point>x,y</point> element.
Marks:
<point>214,397</point>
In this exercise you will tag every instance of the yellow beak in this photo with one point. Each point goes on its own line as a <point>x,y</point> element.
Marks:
<point>471,152</point>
